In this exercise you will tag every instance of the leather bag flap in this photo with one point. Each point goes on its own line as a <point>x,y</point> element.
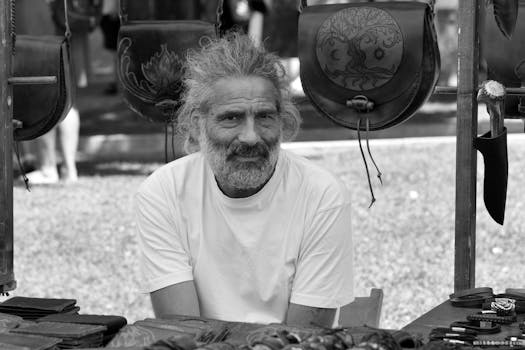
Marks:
<point>372,49</point>
<point>41,106</point>
<point>151,56</point>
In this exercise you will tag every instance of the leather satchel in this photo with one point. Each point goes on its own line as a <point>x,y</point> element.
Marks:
<point>83,15</point>
<point>505,57</point>
<point>150,58</point>
<point>41,106</point>
<point>368,64</point>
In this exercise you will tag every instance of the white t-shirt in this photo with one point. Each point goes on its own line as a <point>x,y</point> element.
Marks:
<point>248,257</point>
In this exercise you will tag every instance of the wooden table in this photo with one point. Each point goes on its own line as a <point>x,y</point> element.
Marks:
<point>444,314</point>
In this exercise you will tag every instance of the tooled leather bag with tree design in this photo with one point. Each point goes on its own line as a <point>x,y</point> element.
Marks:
<point>368,63</point>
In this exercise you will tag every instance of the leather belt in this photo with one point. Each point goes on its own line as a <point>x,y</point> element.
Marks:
<point>495,318</point>
<point>473,297</point>
<point>475,326</point>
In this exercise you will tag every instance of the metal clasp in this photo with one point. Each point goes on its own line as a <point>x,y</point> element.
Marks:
<point>360,103</point>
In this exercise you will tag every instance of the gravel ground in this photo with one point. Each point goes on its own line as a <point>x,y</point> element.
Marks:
<point>78,241</point>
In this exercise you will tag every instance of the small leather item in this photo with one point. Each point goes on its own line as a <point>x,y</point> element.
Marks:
<point>492,317</point>
<point>473,297</point>
<point>10,341</point>
<point>112,323</point>
<point>47,304</point>
<point>150,58</point>
<point>72,335</point>
<point>372,62</point>
<point>475,326</point>
<point>508,69</point>
<point>83,15</point>
<point>33,308</point>
<point>40,107</point>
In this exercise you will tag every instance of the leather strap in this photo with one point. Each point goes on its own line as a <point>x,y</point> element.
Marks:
<point>492,318</point>
<point>474,326</point>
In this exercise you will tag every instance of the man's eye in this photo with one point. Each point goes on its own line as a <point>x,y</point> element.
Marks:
<point>265,116</point>
<point>230,117</point>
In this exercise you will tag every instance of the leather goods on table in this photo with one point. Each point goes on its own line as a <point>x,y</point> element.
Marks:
<point>508,68</point>
<point>27,342</point>
<point>41,106</point>
<point>146,332</point>
<point>71,334</point>
<point>112,323</point>
<point>473,297</point>
<point>368,63</point>
<point>33,308</point>
<point>150,57</point>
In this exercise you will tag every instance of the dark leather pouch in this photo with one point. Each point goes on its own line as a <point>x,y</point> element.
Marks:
<point>47,304</point>
<point>374,61</point>
<point>151,56</point>
<point>112,323</point>
<point>507,68</point>
<point>41,106</point>
<point>494,151</point>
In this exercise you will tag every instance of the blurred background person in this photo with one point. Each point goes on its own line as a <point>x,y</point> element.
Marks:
<point>110,25</point>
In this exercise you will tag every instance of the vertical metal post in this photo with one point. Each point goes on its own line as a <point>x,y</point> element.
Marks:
<point>466,157</point>
<point>6,136</point>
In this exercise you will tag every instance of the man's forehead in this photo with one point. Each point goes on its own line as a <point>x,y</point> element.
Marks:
<point>242,92</point>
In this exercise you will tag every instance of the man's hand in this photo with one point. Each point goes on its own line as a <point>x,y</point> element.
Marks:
<point>178,299</point>
<point>300,315</point>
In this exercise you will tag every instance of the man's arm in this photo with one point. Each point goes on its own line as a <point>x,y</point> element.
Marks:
<point>300,315</point>
<point>177,299</point>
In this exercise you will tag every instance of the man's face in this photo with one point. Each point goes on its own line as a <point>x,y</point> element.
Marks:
<point>241,134</point>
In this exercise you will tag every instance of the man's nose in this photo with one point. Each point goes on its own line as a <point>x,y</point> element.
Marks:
<point>249,133</point>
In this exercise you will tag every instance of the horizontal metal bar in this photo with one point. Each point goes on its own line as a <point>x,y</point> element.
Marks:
<point>32,80</point>
<point>454,90</point>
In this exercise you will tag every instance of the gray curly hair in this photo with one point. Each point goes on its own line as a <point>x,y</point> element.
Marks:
<point>233,55</point>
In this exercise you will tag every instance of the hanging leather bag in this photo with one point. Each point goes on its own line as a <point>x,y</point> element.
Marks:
<point>151,56</point>
<point>41,106</point>
<point>372,63</point>
<point>505,57</point>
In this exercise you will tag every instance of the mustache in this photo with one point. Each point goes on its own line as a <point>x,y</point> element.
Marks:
<point>244,150</point>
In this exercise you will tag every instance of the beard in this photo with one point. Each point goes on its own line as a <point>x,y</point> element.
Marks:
<point>230,166</point>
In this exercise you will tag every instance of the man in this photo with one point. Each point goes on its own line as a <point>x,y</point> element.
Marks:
<point>240,230</point>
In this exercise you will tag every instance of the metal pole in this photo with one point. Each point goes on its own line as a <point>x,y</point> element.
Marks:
<point>466,157</point>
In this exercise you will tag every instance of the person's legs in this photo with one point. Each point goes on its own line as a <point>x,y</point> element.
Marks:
<point>46,170</point>
<point>68,141</point>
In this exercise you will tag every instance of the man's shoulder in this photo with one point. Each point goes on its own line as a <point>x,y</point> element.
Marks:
<point>179,171</point>
<point>316,180</point>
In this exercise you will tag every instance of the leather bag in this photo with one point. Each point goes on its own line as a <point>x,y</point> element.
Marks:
<point>83,15</point>
<point>41,106</point>
<point>505,57</point>
<point>150,58</point>
<point>372,63</point>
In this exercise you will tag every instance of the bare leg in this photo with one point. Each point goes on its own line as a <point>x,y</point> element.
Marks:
<point>68,141</point>
<point>46,172</point>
